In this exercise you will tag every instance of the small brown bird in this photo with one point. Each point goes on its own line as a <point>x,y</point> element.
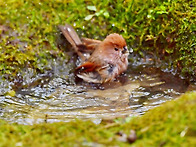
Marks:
<point>102,61</point>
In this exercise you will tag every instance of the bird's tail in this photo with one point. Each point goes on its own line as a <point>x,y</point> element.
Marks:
<point>73,38</point>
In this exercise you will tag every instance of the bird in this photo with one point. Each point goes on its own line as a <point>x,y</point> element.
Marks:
<point>101,61</point>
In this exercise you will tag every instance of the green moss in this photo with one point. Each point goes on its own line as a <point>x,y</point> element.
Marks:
<point>28,30</point>
<point>172,124</point>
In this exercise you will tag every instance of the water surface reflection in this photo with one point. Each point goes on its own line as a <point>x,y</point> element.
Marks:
<point>60,99</point>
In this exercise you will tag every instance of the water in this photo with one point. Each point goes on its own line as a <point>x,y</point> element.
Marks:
<point>54,96</point>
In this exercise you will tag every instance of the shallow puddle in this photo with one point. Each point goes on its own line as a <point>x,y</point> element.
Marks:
<point>58,98</point>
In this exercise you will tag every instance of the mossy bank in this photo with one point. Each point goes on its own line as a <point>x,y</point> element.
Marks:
<point>166,29</point>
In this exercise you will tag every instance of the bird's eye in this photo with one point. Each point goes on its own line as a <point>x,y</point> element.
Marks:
<point>116,49</point>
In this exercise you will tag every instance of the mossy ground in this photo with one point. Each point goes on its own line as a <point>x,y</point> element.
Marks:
<point>29,32</point>
<point>172,124</point>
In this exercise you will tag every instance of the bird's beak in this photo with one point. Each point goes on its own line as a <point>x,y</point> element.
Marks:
<point>125,50</point>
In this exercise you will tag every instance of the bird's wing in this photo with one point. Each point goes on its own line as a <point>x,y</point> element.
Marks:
<point>86,67</point>
<point>87,72</point>
<point>90,45</point>
<point>90,72</point>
